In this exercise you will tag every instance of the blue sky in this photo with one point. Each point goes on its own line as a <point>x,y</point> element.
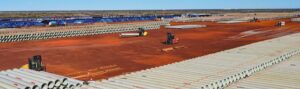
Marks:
<point>18,5</point>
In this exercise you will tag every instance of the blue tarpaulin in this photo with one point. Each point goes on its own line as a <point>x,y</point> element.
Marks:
<point>26,22</point>
<point>15,24</point>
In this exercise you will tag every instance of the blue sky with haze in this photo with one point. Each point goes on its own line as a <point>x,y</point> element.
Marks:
<point>19,5</point>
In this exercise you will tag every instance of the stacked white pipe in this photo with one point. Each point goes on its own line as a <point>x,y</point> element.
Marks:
<point>296,19</point>
<point>30,79</point>
<point>185,26</point>
<point>282,76</point>
<point>212,71</point>
<point>237,18</point>
<point>22,35</point>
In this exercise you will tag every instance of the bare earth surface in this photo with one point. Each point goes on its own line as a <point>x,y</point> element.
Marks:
<point>103,56</point>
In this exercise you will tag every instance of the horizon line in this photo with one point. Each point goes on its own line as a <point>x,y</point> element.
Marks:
<point>155,9</point>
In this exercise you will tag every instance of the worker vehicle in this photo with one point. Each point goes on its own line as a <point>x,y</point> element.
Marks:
<point>171,39</point>
<point>141,32</point>
<point>35,63</point>
<point>281,23</point>
<point>255,20</point>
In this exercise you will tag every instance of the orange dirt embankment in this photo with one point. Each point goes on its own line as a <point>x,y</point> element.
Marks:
<point>107,55</point>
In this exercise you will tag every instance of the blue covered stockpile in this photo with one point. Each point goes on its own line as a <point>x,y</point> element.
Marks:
<point>27,22</point>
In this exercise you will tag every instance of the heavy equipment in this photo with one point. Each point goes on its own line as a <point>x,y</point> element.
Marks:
<point>281,23</point>
<point>141,32</point>
<point>171,39</point>
<point>255,20</point>
<point>35,63</point>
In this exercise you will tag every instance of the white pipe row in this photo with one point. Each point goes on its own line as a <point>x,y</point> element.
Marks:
<point>295,19</point>
<point>229,18</point>
<point>106,26</point>
<point>281,76</point>
<point>30,79</point>
<point>82,32</point>
<point>11,73</point>
<point>213,71</point>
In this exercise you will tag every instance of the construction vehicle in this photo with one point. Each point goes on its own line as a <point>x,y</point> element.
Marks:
<point>141,32</point>
<point>281,23</point>
<point>254,20</point>
<point>35,63</point>
<point>171,39</point>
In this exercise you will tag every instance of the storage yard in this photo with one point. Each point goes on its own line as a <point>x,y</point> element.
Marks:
<point>212,71</point>
<point>280,76</point>
<point>207,52</point>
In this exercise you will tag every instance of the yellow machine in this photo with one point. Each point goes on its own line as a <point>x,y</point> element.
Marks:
<point>145,34</point>
<point>35,63</point>
<point>140,33</point>
<point>26,66</point>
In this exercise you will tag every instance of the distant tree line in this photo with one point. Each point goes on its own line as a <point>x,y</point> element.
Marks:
<point>101,13</point>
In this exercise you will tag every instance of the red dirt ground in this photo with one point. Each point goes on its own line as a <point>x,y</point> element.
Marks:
<point>107,55</point>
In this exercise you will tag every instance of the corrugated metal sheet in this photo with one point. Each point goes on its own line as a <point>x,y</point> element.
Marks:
<point>209,72</point>
<point>285,75</point>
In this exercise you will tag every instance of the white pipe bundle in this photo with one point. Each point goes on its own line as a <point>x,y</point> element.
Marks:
<point>30,79</point>
<point>23,35</point>
<point>214,71</point>
<point>129,34</point>
<point>185,26</point>
<point>296,19</point>
<point>232,21</point>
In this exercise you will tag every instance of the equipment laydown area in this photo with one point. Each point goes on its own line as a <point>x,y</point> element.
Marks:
<point>106,55</point>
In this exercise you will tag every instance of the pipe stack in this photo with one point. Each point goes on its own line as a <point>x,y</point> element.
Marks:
<point>296,19</point>
<point>213,71</point>
<point>30,79</point>
<point>23,35</point>
<point>185,26</point>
